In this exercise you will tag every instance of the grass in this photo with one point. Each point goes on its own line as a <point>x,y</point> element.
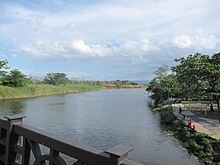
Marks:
<point>36,90</point>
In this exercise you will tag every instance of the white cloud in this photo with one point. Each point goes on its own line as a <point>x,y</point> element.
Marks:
<point>81,46</point>
<point>127,33</point>
<point>198,40</point>
<point>183,41</point>
<point>78,48</point>
<point>206,41</point>
<point>141,45</point>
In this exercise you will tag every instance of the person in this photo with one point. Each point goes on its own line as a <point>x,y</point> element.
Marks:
<point>180,110</point>
<point>191,126</point>
<point>211,108</point>
<point>190,123</point>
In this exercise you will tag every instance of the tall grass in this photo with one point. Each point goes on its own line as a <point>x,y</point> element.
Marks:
<point>35,90</point>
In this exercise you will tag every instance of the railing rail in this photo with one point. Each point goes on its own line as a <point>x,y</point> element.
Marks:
<point>18,140</point>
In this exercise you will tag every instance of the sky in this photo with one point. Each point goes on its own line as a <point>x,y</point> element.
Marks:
<point>105,40</point>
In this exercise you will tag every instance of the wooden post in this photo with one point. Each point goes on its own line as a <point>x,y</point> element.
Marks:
<point>10,138</point>
<point>118,154</point>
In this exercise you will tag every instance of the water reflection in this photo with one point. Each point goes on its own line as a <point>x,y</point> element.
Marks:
<point>12,107</point>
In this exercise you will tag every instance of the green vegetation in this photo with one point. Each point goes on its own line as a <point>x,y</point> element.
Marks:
<point>164,86</point>
<point>202,146</point>
<point>14,79</point>
<point>14,84</point>
<point>197,77</point>
<point>56,78</point>
<point>35,90</point>
<point>166,113</point>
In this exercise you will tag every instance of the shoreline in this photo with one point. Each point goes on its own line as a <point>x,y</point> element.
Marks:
<point>204,147</point>
<point>42,90</point>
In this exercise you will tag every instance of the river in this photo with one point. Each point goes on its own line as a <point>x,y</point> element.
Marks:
<point>103,119</point>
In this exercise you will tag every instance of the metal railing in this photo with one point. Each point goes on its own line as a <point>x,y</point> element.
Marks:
<point>18,141</point>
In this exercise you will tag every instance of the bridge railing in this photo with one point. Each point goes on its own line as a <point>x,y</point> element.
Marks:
<point>18,141</point>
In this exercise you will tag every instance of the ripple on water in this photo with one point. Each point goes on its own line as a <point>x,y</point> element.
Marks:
<point>104,119</point>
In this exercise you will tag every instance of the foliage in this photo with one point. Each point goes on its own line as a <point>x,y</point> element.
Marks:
<point>14,79</point>
<point>200,76</point>
<point>196,77</point>
<point>199,144</point>
<point>162,107</point>
<point>35,90</point>
<point>166,113</point>
<point>3,66</point>
<point>204,147</point>
<point>167,116</point>
<point>56,78</point>
<point>163,86</point>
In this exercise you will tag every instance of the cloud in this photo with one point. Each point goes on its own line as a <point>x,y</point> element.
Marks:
<point>90,50</point>
<point>141,45</point>
<point>80,49</point>
<point>81,46</point>
<point>206,41</point>
<point>182,41</point>
<point>198,41</point>
<point>129,37</point>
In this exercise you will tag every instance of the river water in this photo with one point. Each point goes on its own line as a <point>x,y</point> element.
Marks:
<point>103,119</point>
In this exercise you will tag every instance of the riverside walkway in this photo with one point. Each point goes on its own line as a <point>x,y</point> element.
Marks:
<point>205,125</point>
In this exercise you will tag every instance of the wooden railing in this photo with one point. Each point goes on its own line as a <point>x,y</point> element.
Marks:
<point>18,141</point>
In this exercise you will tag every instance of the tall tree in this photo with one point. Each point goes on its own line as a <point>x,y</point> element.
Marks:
<point>199,75</point>
<point>3,67</point>
<point>3,64</point>
<point>56,78</point>
<point>163,86</point>
<point>14,79</point>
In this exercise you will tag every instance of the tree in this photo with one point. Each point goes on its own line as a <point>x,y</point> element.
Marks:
<point>3,67</point>
<point>190,73</point>
<point>56,78</point>
<point>213,78</point>
<point>200,76</point>
<point>3,64</point>
<point>14,79</point>
<point>163,86</point>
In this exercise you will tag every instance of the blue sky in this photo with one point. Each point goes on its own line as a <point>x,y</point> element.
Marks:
<point>105,40</point>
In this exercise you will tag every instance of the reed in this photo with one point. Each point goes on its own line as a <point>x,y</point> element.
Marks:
<point>36,90</point>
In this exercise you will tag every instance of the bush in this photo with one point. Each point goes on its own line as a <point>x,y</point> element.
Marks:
<point>167,116</point>
<point>162,107</point>
<point>199,144</point>
<point>14,79</point>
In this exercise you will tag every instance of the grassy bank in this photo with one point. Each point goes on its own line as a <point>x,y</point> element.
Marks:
<point>36,90</point>
<point>205,148</point>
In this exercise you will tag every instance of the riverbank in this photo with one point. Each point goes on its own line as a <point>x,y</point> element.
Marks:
<point>37,90</point>
<point>203,123</point>
<point>204,147</point>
